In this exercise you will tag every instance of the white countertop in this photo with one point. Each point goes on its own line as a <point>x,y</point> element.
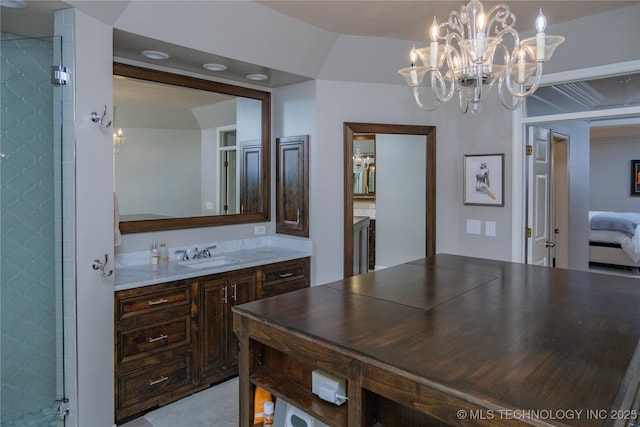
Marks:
<point>133,276</point>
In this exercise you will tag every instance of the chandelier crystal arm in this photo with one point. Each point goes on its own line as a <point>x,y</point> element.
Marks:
<point>509,105</point>
<point>416,95</point>
<point>500,16</point>
<point>439,87</point>
<point>524,93</point>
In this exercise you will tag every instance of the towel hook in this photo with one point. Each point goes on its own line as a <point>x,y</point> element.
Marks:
<point>100,266</point>
<point>99,118</point>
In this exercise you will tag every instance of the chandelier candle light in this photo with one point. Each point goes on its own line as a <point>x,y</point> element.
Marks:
<point>473,57</point>
<point>118,139</point>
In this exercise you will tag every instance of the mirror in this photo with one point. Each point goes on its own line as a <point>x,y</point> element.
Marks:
<point>406,154</point>
<point>364,166</point>
<point>193,153</point>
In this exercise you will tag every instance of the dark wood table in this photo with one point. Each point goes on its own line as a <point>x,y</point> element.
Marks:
<point>452,340</point>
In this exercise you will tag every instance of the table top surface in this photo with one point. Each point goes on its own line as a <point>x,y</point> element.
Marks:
<point>513,335</point>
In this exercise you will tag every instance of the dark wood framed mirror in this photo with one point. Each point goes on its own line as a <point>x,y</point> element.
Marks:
<point>196,152</point>
<point>425,138</point>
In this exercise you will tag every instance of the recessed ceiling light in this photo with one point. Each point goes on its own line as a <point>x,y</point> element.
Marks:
<point>13,4</point>
<point>214,67</point>
<point>154,54</point>
<point>257,76</point>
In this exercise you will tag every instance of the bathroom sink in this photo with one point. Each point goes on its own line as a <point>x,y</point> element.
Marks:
<point>216,261</point>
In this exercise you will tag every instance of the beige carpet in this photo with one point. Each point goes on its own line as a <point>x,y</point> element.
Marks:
<point>214,407</point>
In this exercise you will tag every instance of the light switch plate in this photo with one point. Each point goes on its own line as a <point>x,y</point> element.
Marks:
<point>474,226</point>
<point>490,228</point>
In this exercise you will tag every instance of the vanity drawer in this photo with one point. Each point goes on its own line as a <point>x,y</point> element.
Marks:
<point>155,383</point>
<point>154,338</point>
<point>153,300</point>
<point>285,277</point>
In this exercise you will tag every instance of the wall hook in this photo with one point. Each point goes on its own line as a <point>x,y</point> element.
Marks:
<point>99,266</point>
<point>99,118</point>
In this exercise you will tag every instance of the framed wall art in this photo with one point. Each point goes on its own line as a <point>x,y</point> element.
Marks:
<point>484,179</point>
<point>635,177</point>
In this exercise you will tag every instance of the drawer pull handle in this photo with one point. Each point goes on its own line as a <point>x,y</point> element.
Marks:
<point>158,381</point>
<point>159,301</point>
<point>158,338</point>
<point>283,275</point>
<point>235,293</point>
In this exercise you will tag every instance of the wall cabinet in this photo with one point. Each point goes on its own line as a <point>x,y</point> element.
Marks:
<point>292,185</point>
<point>176,338</point>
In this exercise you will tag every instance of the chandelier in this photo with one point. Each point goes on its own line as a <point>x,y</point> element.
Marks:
<point>118,139</point>
<point>473,57</point>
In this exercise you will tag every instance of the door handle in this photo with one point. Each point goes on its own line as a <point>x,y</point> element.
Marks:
<point>549,245</point>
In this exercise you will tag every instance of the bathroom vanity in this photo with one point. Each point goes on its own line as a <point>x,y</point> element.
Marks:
<point>173,323</point>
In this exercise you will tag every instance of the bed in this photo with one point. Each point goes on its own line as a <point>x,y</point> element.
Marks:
<point>614,238</point>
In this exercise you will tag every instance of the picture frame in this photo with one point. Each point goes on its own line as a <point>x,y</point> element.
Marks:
<point>483,179</point>
<point>635,177</point>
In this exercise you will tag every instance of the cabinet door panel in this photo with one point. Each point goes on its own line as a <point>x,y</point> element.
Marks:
<point>292,186</point>
<point>251,177</point>
<point>243,290</point>
<point>214,297</point>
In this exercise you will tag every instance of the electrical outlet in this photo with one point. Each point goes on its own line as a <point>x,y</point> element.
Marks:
<point>259,229</point>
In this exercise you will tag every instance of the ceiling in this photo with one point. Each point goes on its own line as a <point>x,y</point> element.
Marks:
<point>409,20</point>
<point>398,19</point>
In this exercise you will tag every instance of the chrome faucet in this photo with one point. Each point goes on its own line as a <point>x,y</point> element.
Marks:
<point>205,253</point>
<point>185,254</point>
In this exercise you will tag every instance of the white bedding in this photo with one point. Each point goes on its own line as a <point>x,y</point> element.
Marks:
<point>631,245</point>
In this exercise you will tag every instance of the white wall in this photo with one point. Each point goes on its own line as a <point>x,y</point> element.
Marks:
<point>94,223</point>
<point>294,113</point>
<point>601,39</point>
<point>610,183</point>
<point>488,132</point>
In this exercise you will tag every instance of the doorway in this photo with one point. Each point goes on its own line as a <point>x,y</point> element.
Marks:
<point>548,197</point>
<point>424,135</point>
<point>31,234</point>
<point>613,101</point>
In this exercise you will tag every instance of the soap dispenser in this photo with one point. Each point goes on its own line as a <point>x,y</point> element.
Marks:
<point>164,253</point>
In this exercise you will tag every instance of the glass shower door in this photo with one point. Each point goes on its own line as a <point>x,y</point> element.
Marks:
<point>31,276</point>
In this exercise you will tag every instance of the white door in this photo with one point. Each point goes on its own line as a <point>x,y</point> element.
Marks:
<point>538,197</point>
<point>560,200</point>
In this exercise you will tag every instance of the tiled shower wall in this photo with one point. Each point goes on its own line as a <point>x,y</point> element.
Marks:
<point>29,228</point>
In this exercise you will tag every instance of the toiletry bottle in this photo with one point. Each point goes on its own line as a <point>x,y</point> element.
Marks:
<point>261,396</point>
<point>164,253</point>
<point>155,257</point>
<point>268,414</point>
